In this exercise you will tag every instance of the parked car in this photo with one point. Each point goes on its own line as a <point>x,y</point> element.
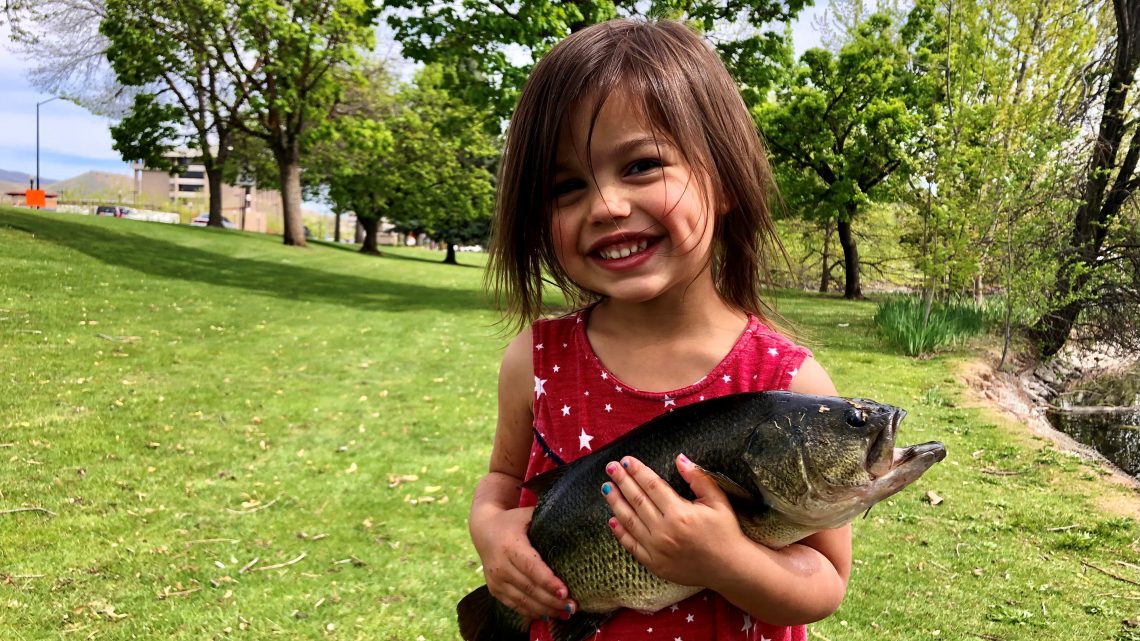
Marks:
<point>201,219</point>
<point>118,211</point>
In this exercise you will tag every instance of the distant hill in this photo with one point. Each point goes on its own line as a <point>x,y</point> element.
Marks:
<point>22,179</point>
<point>7,186</point>
<point>95,185</point>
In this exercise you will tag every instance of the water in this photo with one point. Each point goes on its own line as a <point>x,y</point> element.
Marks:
<point>1104,414</point>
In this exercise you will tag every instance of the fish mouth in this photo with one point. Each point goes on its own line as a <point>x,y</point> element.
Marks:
<point>881,453</point>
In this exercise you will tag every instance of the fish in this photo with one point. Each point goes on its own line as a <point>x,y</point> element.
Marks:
<point>790,464</point>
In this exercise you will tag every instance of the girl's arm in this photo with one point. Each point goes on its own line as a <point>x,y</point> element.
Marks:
<point>515,573</point>
<point>700,543</point>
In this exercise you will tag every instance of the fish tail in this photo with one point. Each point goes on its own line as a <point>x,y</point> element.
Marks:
<point>482,617</point>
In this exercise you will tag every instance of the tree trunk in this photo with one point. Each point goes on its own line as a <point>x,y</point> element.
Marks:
<point>289,171</point>
<point>214,180</point>
<point>851,289</point>
<point>336,230</point>
<point>368,244</point>
<point>1097,208</point>
<point>449,259</point>
<point>358,233</point>
<point>825,276</point>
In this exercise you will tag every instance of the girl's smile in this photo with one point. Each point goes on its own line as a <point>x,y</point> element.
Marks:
<point>631,220</point>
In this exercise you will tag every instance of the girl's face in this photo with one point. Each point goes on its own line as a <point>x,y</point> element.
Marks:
<point>639,226</point>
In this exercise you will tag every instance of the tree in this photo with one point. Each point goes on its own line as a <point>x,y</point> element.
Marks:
<point>66,53</point>
<point>469,40</point>
<point>290,49</point>
<point>409,154</point>
<point>842,125</point>
<point>179,53</point>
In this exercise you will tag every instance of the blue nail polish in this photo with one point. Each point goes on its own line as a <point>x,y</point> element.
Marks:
<point>625,464</point>
<point>606,487</point>
<point>569,609</point>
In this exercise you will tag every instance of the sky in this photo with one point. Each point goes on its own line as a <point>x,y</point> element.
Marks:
<point>73,141</point>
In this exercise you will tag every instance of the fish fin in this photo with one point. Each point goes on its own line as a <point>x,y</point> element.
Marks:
<point>580,626</point>
<point>540,483</point>
<point>482,617</point>
<point>730,487</point>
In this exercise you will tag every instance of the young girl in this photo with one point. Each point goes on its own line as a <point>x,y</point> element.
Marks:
<point>633,176</point>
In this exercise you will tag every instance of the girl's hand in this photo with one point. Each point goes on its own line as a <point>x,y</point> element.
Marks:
<point>676,539</point>
<point>515,573</point>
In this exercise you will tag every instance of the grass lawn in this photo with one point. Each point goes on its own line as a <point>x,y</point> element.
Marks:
<point>228,438</point>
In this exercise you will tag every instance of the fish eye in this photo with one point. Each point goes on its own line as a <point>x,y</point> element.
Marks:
<point>856,418</point>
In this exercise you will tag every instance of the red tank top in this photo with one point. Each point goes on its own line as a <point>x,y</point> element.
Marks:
<point>580,406</point>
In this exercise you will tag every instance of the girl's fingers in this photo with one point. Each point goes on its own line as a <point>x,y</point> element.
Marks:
<point>624,513</point>
<point>629,541</point>
<point>640,486</point>
<point>538,585</point>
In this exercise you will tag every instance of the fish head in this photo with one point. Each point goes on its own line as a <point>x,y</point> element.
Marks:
<point>820,461</point>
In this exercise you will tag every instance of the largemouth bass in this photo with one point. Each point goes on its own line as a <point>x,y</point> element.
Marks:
<point>791,465</point>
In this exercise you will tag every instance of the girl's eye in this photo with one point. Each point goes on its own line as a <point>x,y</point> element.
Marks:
<point>644,165</point>
<point>567,186</point>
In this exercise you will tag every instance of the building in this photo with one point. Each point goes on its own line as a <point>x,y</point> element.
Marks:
<point>19,199</point>
<point>245,206</point>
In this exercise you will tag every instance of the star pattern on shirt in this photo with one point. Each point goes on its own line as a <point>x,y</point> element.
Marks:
<point>726,378</point>
<point>566,410</point>
<point>748,625</point>
<point>584,441</point>
<point>539,347</point>
<point>556,368</point>
<point>772,351</point>
<point>538,386</point>
<point>609,408</point>
<point>669,402</point>
<point>794,372</point>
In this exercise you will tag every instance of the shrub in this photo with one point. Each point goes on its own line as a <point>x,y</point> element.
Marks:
<point>901,321</point>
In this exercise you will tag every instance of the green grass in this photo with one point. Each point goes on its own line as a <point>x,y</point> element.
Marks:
<point>185,401</point>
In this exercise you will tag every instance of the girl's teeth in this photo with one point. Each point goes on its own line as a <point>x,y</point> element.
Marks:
<point>614,254</point>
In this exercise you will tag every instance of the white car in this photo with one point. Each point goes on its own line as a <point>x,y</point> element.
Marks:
<point>201,219</point>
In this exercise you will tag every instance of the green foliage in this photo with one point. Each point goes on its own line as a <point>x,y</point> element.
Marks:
<point>469,40</point>
<point>149,132</point>
<point>410,154</point>
<point>907,324</point>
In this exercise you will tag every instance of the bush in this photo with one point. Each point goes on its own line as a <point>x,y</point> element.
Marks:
<point>900,319</point>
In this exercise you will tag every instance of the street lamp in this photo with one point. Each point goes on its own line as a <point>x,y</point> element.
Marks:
<point>38,137</point>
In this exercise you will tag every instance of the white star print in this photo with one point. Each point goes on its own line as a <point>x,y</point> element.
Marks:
<point>584,441</point>
<point>772,351</point>
<point>747,624</point>
<point>676,638</point>
<point>539,346</point>
<point>566,410</point>
<point>726,378</point>
<point>605,376</point>
<point>556,368</point>
<point>794,372</point>
<point>587,392</point>
<point>563,345</point>
<point>689,619</point>
<point>674,607</point>
<point>617,387</point>
<point>538,389</point>
<point>609,408</point>
<point>702,397</point>
<point>649,630</point>
<point>764,638</point>
<point>669,401</point>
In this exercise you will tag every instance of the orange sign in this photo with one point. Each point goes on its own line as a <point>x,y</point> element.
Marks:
<point>35,198</point>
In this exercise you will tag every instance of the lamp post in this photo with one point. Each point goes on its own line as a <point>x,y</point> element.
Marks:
<point>38,137</point>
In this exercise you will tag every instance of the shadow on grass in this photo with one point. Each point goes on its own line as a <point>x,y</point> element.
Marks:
<point>349,247</point>
<point>158,257</point>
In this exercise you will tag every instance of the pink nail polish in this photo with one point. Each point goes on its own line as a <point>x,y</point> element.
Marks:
<point>560,593</point>
<point>612,523</point>
<point>685,460</point>
<point>611,468</point>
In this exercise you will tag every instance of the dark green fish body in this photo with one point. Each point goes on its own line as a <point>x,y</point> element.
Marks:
<point>791,465</point>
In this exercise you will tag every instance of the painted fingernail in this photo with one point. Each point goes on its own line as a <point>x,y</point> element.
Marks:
<point>612,523</point>
<point>569,608</point>
<point>606,487</point>
<point>611,468</point>
<point>560,593</point>
<point>685,460</point>
<point>625,463</point>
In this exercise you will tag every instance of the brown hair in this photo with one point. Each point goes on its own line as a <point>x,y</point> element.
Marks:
<point>686,91</point>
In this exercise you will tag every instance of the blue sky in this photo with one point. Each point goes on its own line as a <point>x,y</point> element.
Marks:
<point>73,141</point>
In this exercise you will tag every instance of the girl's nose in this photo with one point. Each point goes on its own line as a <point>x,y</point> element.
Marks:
<point>607,203</point>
